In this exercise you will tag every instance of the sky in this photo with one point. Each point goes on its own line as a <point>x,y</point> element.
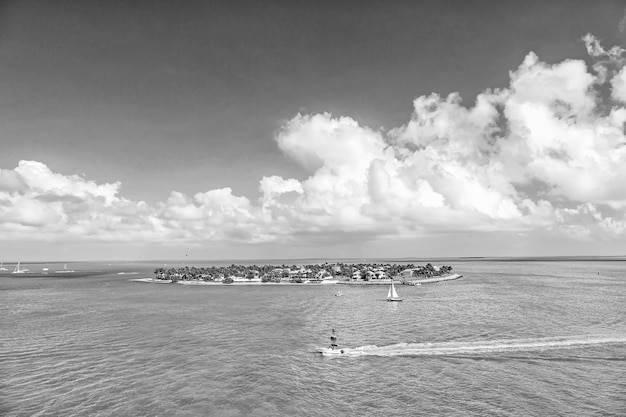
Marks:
<point>290,129</point>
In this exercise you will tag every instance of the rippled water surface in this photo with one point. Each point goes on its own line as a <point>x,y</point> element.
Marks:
<point>509,338</point>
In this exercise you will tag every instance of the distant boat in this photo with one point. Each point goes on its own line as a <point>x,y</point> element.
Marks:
<point>2,268</point>
<point>18,270</point>
<point>339,294</point>
<point>64,270</point>
<point>392,295</point>
<point>333,349</point>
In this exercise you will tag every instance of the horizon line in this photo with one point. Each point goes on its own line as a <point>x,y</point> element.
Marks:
<point>339,259</point>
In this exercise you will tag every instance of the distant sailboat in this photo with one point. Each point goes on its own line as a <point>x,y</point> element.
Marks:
<point>18,270</point>
<point>2,268</point>
<point>392,295</point>
<point>64,270</point>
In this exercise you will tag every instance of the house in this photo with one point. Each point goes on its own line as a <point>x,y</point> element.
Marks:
<point>282,273</point>
<point>380,274</point>
<point>321,274</point>
<point>407,273</point>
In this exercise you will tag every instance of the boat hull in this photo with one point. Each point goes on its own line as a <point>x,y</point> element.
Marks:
<point>332,352</point>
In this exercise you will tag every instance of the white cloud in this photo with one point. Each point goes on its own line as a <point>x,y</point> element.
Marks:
<point>607,61</point>
<point>559,136</point>
<point>40,179</point>
<point>618,84</point>
<point>548,153</point>
<point>321,141</point>
<point>596,50</point>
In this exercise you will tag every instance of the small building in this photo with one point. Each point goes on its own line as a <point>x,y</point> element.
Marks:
<point>407,273</point>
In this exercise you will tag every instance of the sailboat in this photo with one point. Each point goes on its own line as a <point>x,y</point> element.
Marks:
<point>2,268</point>
<point>17,269</point>
<point>392,295</point>
<point>64,270</point>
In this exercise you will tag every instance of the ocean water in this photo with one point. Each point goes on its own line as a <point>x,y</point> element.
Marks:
<point>515,338</point>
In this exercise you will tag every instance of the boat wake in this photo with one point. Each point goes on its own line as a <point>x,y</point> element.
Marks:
<point>475,348</point>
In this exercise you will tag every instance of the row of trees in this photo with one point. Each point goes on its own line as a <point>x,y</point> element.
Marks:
<point>269,273</point>
<point>430,270</point>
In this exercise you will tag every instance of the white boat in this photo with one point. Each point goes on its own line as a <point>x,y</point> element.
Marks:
<point>339,294</point>
<point>18,270</point>
<point>392,295</point>
<point>2,268</point>
<point>333,349</point>
<point>332,352</point>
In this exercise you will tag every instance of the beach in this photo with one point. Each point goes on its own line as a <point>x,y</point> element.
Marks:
<point>451,277</point>
<point>236,283</point>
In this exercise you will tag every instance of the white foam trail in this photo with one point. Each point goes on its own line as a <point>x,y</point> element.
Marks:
<point>480,347</point>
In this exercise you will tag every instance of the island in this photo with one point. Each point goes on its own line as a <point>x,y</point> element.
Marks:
<point>325,273</point>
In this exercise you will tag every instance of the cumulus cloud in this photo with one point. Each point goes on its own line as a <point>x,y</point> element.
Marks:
<point>547,153</point>
<point>43,205</point>
<point>596,50</point>
<point>607,61</point>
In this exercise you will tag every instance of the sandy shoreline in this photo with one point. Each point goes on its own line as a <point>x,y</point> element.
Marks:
<point>397,281</point>
<point>161,281</point>
<point>377,282</point>
<point>435,279</point>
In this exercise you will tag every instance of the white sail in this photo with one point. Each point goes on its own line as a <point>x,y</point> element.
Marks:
<point>63,270</point>
<point>18,270</point>
<point>394,294</point>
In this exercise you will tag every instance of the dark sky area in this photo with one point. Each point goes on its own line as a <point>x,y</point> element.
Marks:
<point>121,90</point>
